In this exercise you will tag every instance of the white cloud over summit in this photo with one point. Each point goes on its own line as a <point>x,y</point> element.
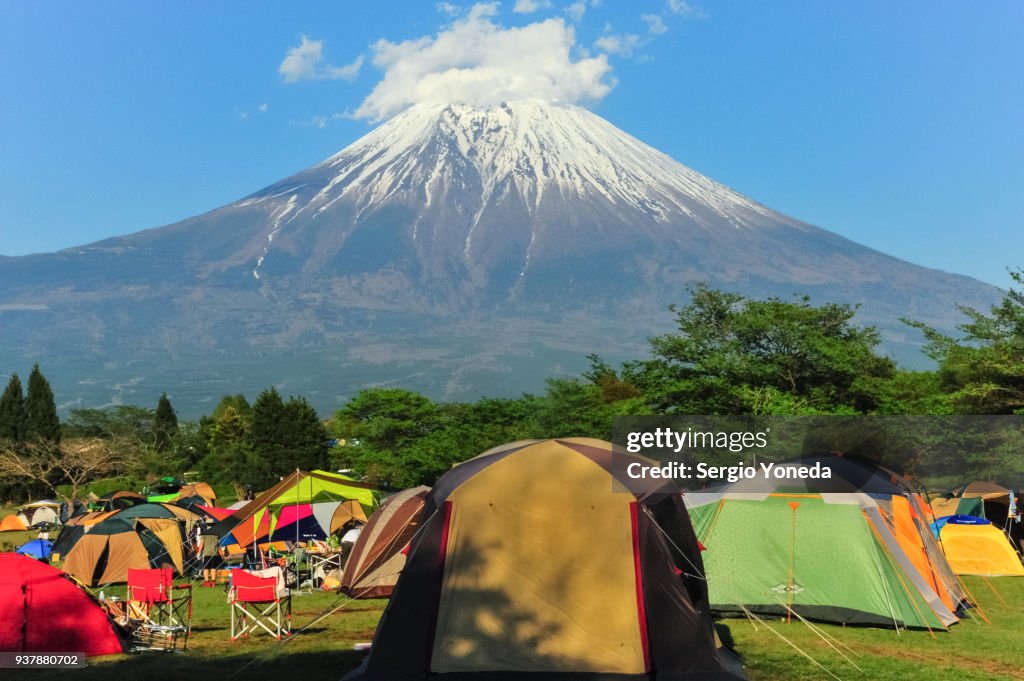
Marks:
<point>306,61</point>
<point>476,61</point>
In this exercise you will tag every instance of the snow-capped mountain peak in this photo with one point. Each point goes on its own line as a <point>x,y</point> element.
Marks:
<point>528,147</point>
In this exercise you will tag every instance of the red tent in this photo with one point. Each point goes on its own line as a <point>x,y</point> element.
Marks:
<point>42,611</point>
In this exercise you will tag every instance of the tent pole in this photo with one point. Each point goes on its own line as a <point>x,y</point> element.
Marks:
<point>792,557</point>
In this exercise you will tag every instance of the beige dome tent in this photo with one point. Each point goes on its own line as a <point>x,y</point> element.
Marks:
<point>533,560</point>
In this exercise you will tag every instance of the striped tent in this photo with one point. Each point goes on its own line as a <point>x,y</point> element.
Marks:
<point>99,548</point>
<point>378,556</point>
<point>302,506</point>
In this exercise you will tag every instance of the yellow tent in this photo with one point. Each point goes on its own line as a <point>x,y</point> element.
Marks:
<point>979,550</point>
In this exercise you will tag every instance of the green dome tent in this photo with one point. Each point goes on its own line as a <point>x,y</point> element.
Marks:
<point>821,549</point>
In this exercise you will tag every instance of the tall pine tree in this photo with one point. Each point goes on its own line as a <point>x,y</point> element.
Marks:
<point>269,435</point>
<point>41,421</point>
<point>306,447</point>
<point>12,411</point>
<point>165,423</point>
<point>286,436</point>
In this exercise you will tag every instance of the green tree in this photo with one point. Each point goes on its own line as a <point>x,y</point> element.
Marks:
<point>12,411</point>
<point>268,433</point>
<point>286,436</point>
<point>241,407</point>
<point>228,429</point>
<point>734,355</point>
<point>237,402</point>
<point>983,372</point>
<point>915,392</point>
<point>461,432</point>
<point>187,448</point>
<point>165,424</point>
<point>380,427</point>
<point>230,456</point>
<point>41,421</point>
<point>581,408</point>
<point>307,437</point>
<point>386,418</point>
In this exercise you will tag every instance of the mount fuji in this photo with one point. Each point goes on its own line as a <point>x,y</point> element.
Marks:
<point>457,250</point>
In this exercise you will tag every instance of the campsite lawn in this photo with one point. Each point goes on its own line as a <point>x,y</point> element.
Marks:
<point>971,650</point>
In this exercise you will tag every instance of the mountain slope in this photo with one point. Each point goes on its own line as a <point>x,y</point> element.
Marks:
<point>456,250</point>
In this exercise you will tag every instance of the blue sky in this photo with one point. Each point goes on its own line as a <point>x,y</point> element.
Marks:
<point>898,125</point>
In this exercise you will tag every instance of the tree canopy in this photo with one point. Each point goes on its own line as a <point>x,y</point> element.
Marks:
<point>983,372</point>
<point>734,355</point>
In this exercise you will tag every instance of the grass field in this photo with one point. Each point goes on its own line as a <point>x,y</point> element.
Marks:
<point>971,651</point>
<point>12,540</point>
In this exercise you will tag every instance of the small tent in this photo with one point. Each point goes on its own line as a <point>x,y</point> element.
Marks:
<point>143,536</point>
<point>378,556</point>
<point>43,512</point>
<point>200,490</point>
<point>533,560</point>
<point>982,499</point>
<point>974,546</point>
<point>106,553</point>
<point>37,548</point>
<point>115,501</point>
<point>12,523</point>
<point>42,611</point>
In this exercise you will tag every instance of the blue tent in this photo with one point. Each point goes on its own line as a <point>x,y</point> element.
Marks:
<point>37,548</point>
<point>959,519</point>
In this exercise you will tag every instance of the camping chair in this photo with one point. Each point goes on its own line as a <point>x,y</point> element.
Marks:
<point>162,615</point>
<point>260,599</point>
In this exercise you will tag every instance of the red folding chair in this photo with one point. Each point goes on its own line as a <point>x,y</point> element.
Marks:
<point>260,601</point>
<point>163,614</point>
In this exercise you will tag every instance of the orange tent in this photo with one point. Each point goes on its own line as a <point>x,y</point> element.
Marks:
<point>12,523</point>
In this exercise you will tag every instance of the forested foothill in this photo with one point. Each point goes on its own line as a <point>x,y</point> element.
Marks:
<point>728,354</point>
